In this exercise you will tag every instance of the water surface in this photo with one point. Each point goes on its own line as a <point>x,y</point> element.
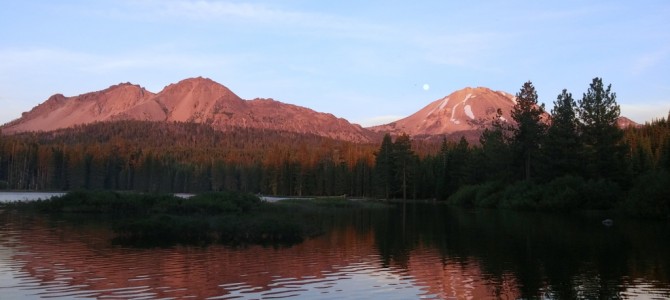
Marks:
<point>430,252</point>
<point>27,196</point>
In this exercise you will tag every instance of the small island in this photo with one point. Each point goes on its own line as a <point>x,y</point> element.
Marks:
<point>230,218</point>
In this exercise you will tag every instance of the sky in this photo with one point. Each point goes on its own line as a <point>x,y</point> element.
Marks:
<point>370,62</point>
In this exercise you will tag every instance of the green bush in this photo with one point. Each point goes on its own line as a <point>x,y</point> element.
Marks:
<point>103,202</point>
<point>4,185</point>
<point>601,194</point>
<point>464,196</point>
<point>489,194</point>
<point>222,202</point>
<point>562,194</point>
<point>521,195</point>
<point>650,196</point>
<point>133,203</point>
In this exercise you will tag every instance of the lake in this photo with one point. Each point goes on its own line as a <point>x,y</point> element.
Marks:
<point>425,251</point>
<point>27,196</point>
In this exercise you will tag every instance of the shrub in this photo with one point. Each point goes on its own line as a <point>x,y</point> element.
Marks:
<point>650,196</point>
<point>221,202</point>
<point>521,195</point>
<point>4,185</point>
<point>464,196</point>
<point>601,194</point>
<point>103,202</point>
<point>131,203</point>
<point>562,194</point>
<point>489,194</point>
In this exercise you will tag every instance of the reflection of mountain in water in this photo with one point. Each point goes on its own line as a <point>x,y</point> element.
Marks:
<point>438,253</point>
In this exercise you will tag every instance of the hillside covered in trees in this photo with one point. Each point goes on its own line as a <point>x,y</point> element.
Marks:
<point>578,158</point>
<point>182,157</point>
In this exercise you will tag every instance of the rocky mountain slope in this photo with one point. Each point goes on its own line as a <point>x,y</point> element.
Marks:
<point>462,113</point>
<point>465,110</point>
<point>197,100</point>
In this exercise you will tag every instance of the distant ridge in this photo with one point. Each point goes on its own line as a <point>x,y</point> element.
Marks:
<point>199,100</point>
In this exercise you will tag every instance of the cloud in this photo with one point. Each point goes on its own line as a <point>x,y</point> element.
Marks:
<point>52,59</point>
<point>214,10</point>
<point>649,60</point>
<point>473,49</point>
<point>19,58</point>
<point>569,13</point>
<point>378,120</point>
<point>250,14</point>
<point>645,112</point>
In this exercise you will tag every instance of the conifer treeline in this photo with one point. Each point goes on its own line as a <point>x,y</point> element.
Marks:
<point>184,157</point>
<point>576,157</point>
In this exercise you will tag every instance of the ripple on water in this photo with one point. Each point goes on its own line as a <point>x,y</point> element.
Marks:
<point>46,259</point>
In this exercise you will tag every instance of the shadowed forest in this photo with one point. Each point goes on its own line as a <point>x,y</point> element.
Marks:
<point>576,157</point>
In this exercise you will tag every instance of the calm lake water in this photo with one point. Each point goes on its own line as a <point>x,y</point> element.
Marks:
<point>430,252</point>
<point>27,196</point>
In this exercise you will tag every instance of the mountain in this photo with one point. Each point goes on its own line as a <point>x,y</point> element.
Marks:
<point>198,100</point>
<point>624,123</point>
<point>463,111</point>
<point>61,112</point>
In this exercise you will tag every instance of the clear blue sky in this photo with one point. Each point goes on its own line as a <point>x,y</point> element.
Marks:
<point>366,61</point>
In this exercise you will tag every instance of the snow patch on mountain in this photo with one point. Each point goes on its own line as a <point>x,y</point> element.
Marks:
<point>467,98</point>
<point>444,102</point>
<point>468,112</point>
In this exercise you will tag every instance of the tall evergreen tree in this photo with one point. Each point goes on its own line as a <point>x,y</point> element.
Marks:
<point>598,114</point>
<point>404,159</point>
<point>457,162</point>
<point>384,169</point>
<point>530,129</point>
<point>664,159</point>
<point>562,146</point>
<point>494,159</point>
<point>443,179</point>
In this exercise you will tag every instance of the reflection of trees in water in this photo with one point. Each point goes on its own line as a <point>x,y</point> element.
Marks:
<point>444,251</point>
<point>563,256</point>
<point>79,258</point>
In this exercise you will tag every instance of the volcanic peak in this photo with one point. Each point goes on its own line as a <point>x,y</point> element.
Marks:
<point>463,110</point>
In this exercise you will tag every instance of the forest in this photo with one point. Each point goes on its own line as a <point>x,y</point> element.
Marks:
<point>574,157</point>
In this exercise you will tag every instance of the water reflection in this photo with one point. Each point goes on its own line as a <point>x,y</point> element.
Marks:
<point>537,255</point>
<point>438,253</point>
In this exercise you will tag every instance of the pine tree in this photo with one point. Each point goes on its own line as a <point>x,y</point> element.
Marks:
<point>664,159</point>
<point>598,114</point>
<point>404,160</point>
<point>530,129</point>
<point>457,162</point>
<point>384,169</point>
<point>494,159</point>
<point>442,166</point>
<point>562,146</point>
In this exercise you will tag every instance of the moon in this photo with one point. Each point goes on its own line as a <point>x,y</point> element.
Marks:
<point>426,87</point>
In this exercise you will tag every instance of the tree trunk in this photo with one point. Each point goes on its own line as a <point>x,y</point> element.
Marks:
<point>528,166</point>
